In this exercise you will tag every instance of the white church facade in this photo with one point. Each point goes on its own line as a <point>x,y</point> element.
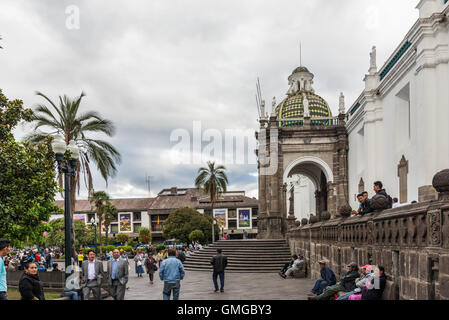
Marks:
<point>398,128</point>
<point>397,131</point>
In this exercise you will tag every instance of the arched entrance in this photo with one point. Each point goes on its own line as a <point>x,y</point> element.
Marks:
<point>307,180</point>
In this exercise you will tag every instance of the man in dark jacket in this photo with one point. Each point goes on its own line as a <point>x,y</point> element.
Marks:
<point>378,189</point>
<point>327,279</point>
<point>181,255</point>
<point>346,284</point>
<point>219,262</point>
<point>375,291</point>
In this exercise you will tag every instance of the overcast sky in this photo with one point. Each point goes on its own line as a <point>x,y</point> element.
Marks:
<point>155,66</point>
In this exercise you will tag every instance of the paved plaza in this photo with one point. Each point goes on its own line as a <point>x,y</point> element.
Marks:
<point>198,285</point>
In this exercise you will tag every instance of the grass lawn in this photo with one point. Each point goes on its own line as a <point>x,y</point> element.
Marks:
<point>14,294</point>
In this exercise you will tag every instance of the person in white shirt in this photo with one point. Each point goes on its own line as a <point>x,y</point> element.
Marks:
<point>297,263</point>
<point>93,274</point>
<point>395,203</point>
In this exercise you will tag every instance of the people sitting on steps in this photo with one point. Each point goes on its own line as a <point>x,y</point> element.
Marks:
<point>297,263</point>
<point>328,279</point>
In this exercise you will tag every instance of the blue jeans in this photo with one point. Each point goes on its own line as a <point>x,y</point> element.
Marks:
<point>169,287</point>
<point>319,286</point>
<point>346,295</point>
<point>3,296</point>
<point>72,294</point>
<point>214,279</point>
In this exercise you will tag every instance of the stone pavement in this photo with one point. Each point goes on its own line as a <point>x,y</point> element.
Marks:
<point>197,285</point>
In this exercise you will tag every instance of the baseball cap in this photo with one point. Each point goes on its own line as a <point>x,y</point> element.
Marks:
<point>368,267</point>
<point>352,264</point>
<point>322,262</point>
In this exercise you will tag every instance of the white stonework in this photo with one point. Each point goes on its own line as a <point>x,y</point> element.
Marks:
<point>405,111</point>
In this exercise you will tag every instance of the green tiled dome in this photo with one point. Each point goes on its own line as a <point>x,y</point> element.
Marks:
<point>300,69</point>
<point>292,106</point>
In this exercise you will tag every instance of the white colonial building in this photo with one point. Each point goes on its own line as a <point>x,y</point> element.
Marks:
<point>398,127</point>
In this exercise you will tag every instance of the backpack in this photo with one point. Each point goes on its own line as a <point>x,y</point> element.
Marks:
<point>390,201</point>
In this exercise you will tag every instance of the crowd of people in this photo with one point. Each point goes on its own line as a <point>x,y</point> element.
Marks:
<point>366,283</point>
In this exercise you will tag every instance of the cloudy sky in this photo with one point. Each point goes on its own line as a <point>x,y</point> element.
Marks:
<point>156,66</point>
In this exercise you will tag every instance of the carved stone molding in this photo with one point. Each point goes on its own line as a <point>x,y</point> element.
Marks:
<point>434,227</point>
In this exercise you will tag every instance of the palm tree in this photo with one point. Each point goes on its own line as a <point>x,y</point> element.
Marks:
<point>110,215</point>
<point>99,200</point>
<point>67,121</point>
<point>213,181</point>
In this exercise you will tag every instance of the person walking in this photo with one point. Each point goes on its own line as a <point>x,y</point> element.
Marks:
<point>138,259</point>
<point>117,276</point>
<point>171,272</point>
<point>92,277</point>
<point>4,251</point>
<point>181,255</point>
<point>80,259</point>
<point>150,266</point>
<point>30,286</point>
<point>219,263</point>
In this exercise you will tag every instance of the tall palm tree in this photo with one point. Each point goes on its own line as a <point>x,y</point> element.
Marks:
<point>99,200</point>
<point>67,121</point>
<point>213,181</point>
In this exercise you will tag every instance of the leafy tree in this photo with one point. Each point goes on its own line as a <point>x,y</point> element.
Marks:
<point>99,200</point>
<point>27,179</point>
<point>122,238</point>
<point>213,181</point>
<point>110,215</point>
<point>144,235</point>
<point>67,121</point>
<point>196,235</point>
<point>183,221</point>
<point>56,236</point>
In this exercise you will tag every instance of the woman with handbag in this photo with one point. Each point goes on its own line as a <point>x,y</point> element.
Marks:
<point>139,267</point>
<point>150,265</point>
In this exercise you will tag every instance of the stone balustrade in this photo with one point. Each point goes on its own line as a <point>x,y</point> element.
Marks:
<point>411,242</point>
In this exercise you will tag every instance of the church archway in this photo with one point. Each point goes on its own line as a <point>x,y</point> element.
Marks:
<point>307,179</point>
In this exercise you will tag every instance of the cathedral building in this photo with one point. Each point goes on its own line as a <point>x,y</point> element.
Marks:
<point>313,162</point>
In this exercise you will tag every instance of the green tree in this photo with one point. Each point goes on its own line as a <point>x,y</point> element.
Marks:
<point>144,235</point>
<point>56,236</point>
<point>196,235</point>
<point>99,201</point>
<point>212,180</point>
<point>122,238</point>
<point>183,221</point>
<point>67,121</point>
<point>27,179</point>
<point>110,215</point>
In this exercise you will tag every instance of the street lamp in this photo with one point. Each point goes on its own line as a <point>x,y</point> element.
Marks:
<point>68,168</point>
<point>93,221</point>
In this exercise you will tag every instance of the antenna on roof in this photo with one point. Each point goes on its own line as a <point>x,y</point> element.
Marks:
<point>148,182</point>
<point>300,54</point>
<point>259,100</point>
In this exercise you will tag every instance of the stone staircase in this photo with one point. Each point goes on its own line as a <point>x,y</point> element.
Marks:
<point>259,256</point>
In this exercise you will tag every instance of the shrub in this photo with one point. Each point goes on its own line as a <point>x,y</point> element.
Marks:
<point>196,235</point>
<point>122,238</point>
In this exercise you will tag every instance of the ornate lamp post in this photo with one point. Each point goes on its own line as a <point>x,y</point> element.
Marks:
<point>94,222</point>
<point>69,169</point>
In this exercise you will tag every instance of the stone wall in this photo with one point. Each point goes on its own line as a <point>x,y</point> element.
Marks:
<point>411,242</point>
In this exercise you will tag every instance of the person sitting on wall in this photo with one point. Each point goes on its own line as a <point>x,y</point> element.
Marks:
<point>365,278</point>
<point>297,262</point>
<point>377,286</point>
<point>365,205</point>
<point>327,279</point>
<point>346,284</point>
